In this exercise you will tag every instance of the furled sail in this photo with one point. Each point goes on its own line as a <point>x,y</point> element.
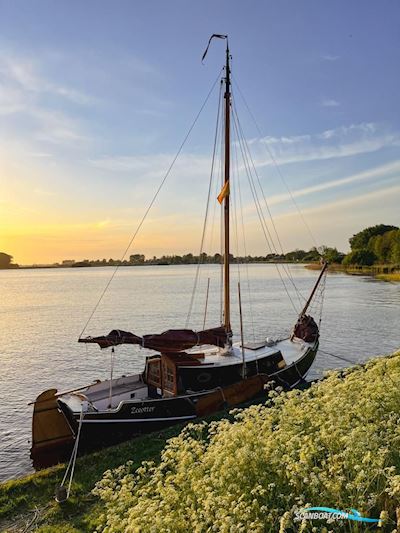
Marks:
<point>171,341</point>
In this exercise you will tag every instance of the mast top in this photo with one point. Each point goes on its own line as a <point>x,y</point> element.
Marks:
<point>217,36</point>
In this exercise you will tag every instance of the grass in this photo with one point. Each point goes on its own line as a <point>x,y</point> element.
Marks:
<point>20,498</point>
<point>394,276</point>
<point>31,498</point>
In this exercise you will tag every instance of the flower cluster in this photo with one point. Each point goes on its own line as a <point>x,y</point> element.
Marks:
<point>337,444</point>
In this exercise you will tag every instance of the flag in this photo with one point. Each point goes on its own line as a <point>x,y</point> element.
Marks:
<point>224,192</point>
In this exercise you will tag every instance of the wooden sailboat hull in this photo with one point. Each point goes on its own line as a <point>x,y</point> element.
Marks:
<point>133,418</point>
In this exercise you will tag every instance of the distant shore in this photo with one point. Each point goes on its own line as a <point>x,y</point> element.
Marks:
<point>382,272</point>
<point>156,263</point>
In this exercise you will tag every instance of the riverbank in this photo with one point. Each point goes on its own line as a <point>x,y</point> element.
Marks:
<point>28,504</point>
<point>334,444</point>
<point>382,272</point>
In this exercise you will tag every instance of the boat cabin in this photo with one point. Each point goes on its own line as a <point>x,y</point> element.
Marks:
<point>162,372</point>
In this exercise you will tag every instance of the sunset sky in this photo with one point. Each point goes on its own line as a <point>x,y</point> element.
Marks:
<point>97,96</point>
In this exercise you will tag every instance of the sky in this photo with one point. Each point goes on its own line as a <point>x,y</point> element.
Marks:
<point>97,96</point>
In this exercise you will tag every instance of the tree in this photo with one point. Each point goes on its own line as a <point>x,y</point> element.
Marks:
<point>331,255</point>
<point>361,239</point>
<point>6,261</point>
<point>312,255</point>
<point>296,255</point>
<point>385,246</point>
<point>136,259</point>
<point>360,257</point>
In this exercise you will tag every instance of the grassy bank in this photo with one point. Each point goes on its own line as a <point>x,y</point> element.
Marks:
<point>32,498</point>
<point>335,444</point>
<point>27,504</point>
<point>383,272</point>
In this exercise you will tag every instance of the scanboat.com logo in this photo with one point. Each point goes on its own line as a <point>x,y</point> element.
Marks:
<point>321,513</point>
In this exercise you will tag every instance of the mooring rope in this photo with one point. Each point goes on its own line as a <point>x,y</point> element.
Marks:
<point>339,357</point>
<point>62,494</point>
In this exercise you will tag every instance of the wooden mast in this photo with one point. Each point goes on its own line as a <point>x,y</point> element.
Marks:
<point>227,96</point>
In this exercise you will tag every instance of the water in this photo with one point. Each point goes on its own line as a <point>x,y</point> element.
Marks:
<point>44,310</point>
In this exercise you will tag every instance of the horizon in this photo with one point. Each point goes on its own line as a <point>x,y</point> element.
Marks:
<point>95,102</point>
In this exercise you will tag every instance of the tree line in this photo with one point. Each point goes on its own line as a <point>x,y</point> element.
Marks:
<point>378,244</point>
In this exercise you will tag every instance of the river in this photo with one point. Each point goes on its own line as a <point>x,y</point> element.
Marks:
<point>43,312</point>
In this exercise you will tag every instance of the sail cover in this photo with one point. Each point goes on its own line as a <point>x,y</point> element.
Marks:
<point>171,341</point>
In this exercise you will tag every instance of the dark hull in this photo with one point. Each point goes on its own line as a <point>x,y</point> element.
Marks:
<point>107,428</point>
<point>208,377</point>
<point>132,419</point>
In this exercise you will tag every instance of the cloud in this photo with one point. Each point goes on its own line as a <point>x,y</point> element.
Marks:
<point>56,127</point>
<point>330,103</point>
<point>382,171</point>
<point>24,91</point>
<point>374,196</point>
<point>329,57</point>
<point>348,214</point>
<point>22,73</point>
<point>155,166</point>
<point>340,142</point>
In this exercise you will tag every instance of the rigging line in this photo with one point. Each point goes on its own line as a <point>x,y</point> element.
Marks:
<point>284,267</point>
<point>152,201</point>
<point>234,216</point>
<point>217,188</point>
<point>245,155</point>
<point>275,163</point>
<point>259,212</point>
<point>246,261</point>
<point>235,176</point>
<point>261,217</point>
<point>221,226</point>
<point>338,357</point>
<point>236,159</point>
<point>207,209</point>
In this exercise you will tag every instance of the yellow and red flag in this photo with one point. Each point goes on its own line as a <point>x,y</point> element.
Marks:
<point>224,192</point>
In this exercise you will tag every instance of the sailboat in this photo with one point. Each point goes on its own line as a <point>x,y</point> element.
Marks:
<point>189,374</point>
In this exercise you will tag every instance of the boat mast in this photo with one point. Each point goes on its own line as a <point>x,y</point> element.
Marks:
<point>227,96</point>
<point>323,269</point>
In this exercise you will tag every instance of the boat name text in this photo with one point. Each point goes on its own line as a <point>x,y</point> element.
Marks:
<point>137,410</point>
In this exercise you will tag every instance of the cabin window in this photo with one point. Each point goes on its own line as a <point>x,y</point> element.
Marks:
<point>169,376</point>
<point>154,372</point>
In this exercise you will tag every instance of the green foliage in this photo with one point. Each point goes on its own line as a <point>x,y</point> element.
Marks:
<point>361,239</point>
<point>335,444</point>
<point>386,247</point>
<point>379,243</point>
<point>312,255</point>
<point>360,257</point>
<point>331,255</point>
<point>296,255</point>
